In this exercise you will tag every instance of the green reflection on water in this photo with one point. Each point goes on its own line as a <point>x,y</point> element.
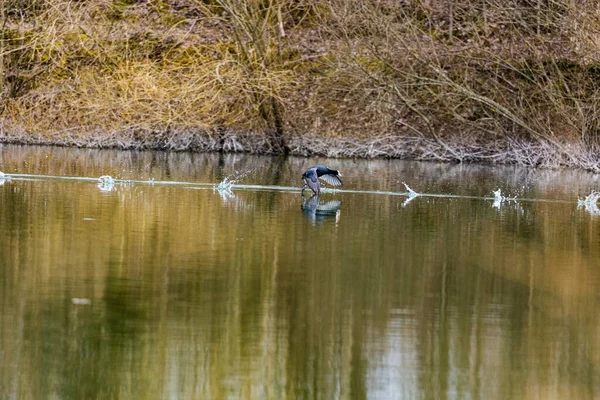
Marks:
<point>194,295</point>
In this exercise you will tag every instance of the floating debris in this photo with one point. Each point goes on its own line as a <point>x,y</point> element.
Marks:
<point>81,302</point>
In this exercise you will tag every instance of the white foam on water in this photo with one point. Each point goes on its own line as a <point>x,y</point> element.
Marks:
<point>4,178</point>
<point>229,184</point>
<point>224,188</point>
<point>411,193</point>
<point>499,199</point>
<point>106,183</point>
<point>106,179</point>
<point>590,203</point>
<point>590,199</point>
<point>225,185</point>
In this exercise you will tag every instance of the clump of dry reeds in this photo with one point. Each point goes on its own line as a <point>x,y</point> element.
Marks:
<point>492,80</point>
<point>151,68</point>
<point>481,79</point>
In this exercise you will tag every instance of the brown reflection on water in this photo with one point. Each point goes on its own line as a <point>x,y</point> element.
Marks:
<point>197,296</point>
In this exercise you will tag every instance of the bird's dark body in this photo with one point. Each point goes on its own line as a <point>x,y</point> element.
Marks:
<point>312,175</point>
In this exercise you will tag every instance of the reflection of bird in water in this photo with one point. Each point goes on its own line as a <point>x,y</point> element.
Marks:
<point>316,211</point>
<point>312,175</point>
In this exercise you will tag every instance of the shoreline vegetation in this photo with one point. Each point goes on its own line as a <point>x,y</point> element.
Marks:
<point>493,81</point>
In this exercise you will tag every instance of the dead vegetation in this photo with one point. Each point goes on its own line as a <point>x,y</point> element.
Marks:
<point>507,81</point>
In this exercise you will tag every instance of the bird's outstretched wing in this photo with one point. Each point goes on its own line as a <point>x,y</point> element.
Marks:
<point>311,180</point>
<point>331,179</point>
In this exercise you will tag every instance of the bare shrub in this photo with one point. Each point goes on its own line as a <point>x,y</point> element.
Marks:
<point>450,80</point>
<point>484,70</point>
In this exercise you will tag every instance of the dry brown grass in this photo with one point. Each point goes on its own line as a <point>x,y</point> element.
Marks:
<point>493,80</point>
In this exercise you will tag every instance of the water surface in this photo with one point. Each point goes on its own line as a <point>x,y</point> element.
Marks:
<point>153,290</point>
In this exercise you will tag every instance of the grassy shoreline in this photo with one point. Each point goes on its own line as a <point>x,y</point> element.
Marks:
<point>494,81</point>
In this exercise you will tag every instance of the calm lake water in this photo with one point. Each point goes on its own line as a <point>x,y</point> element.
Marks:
<point>174,290</point>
